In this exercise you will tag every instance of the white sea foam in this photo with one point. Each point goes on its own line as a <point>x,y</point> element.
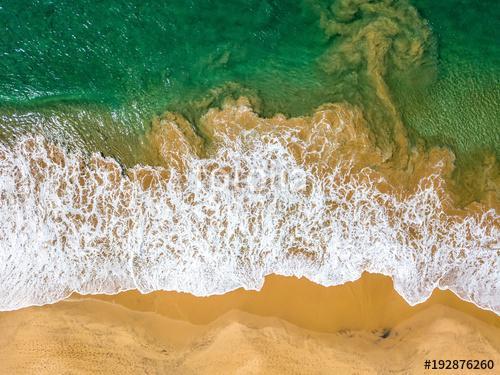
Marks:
<point>68,225</point>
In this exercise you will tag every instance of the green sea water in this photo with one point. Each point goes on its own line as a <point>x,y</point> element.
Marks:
<point>94,73</point>
<point>461,107</point>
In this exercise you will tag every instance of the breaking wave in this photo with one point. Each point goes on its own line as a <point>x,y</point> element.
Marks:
<point>308,197</point>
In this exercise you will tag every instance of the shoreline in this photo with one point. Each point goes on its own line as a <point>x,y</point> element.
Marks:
<point>300,302</point>
<point>361,327</point>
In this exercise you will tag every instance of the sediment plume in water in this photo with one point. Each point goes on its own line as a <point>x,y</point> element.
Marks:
<point>243,198</point>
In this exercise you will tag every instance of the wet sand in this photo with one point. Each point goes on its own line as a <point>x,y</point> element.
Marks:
<point>368,303</point>
<point>290,326</point>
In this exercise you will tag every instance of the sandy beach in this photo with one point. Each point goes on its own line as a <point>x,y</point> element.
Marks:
<point>291,326</point>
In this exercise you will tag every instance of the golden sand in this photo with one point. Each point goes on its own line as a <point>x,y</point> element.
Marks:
<point>291,326</point>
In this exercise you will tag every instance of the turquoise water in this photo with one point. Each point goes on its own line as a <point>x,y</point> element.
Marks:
<point>155,53</point>
<point>97,72</point>
<point>461,107</point>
